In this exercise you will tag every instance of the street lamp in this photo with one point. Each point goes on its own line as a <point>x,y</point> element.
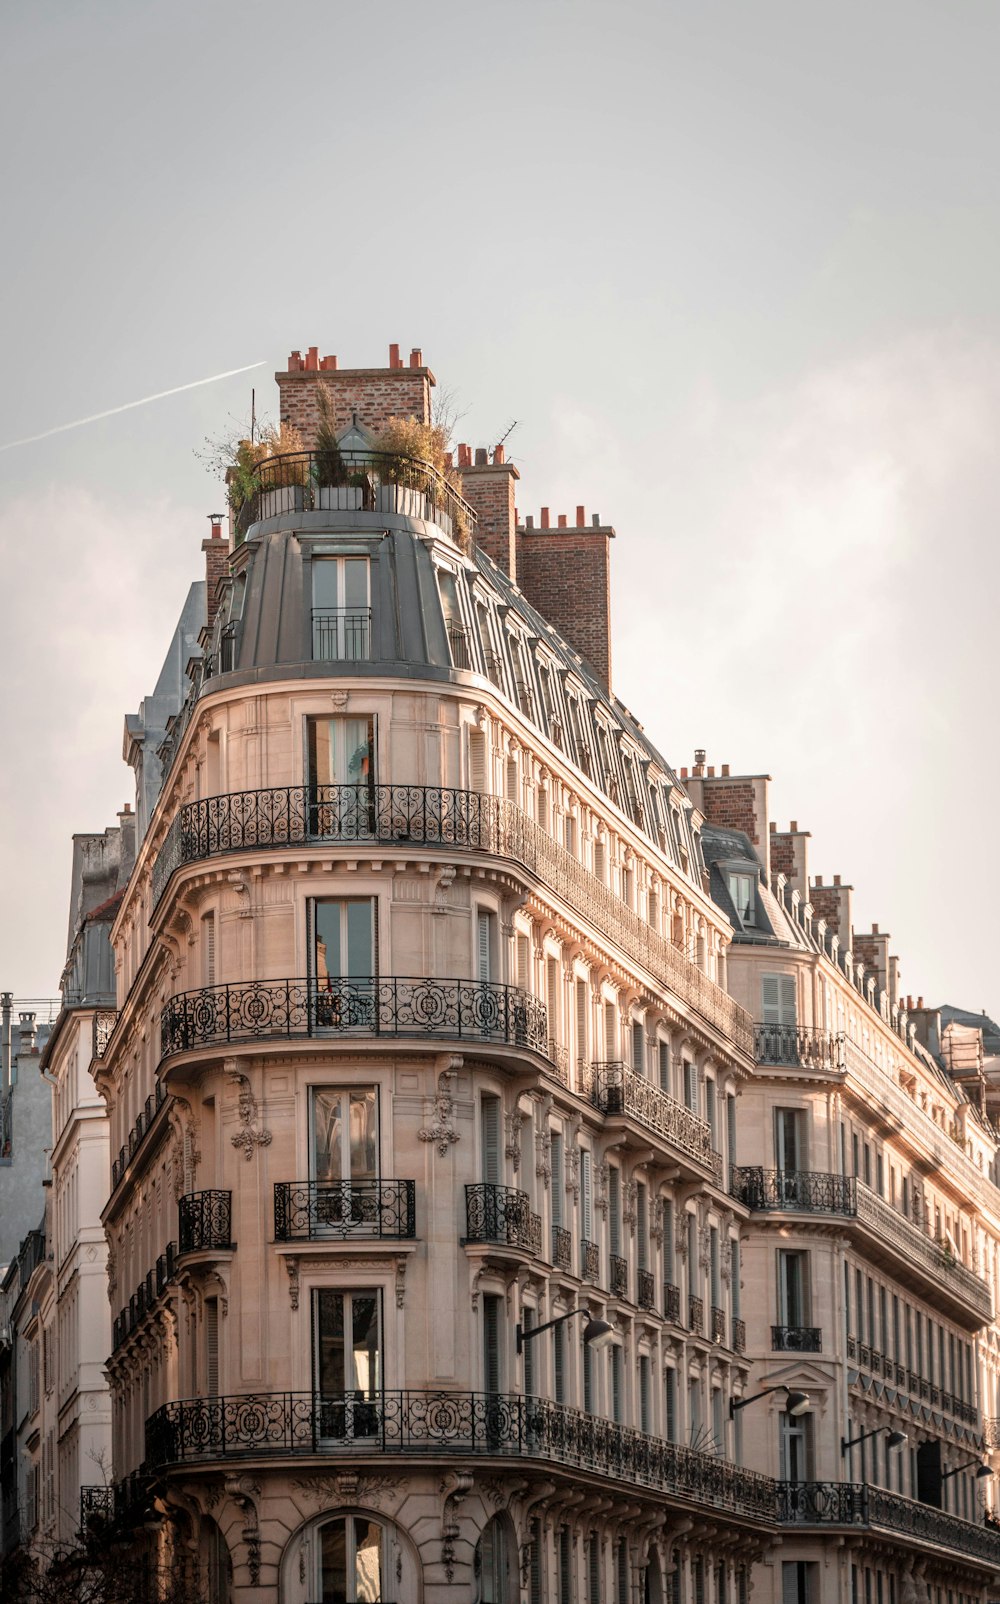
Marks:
<point>895,1439</point>
<point>799,1403</point>
<point>981,1473</point>
<point>596,1332</point>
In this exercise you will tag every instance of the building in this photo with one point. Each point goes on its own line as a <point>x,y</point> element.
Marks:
<point>871,1259</point>
<point>25,1120</point>
<point>423,1044</point>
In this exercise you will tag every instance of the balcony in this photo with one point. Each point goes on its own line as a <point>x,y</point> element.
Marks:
<point>446,1426</point>
<point>471,1011</point>
<point>671,1303</point>
<point>355,481</point>
<point>341,634</point>
<point>617,1089</point>
<point>287,816</point>
<point>739,1343</point>
<point>853,1504</point>
<point>796,1047</point>
<point>562,1248</point>
<point>503,1215</point>
<point>696,1315</point>
<point>144,1120</point>
<point>718,1324</point>
<point>619,1276</point>
<point>646,1291</point>
<point>590,1262</point>
<point>914,1257</point>
<point>796,1339</point>
<point>205,1221</point>
<point>307,1211</point>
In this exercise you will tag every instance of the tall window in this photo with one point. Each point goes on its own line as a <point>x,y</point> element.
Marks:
<point>793,1288</point>
<point>495,1562</point>
<point>341,612</point>
<point>343,939</point>
<point>347,1359</point>
<point>341,752</point>
<point>352,1561</point>
<point>492,1325</point>
<point>344,1134</point>
<point>795,1446</point>
<point>777,999</point>
<point>741,891</point>
<point>491,1124</point>
<point>789,1139</point>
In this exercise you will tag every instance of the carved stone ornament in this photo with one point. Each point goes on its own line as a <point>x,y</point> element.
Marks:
<point>514,1121</point>
<point>629,1210</point>
<point>442,1130</point>
<point>656,1222</point>
<point>704,1246</point>
<point>292,1266</point>
<point>250,1135</point>
<point>601,1188</point>
<point>244,1492</point>
<point>573,1163</point>
<point>400,1283</point>
<point>543,1155</point>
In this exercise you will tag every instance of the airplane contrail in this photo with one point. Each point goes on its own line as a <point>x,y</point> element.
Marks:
<point>78,423</point>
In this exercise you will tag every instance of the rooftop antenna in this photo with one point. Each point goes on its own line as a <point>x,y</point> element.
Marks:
<point>509,431</point>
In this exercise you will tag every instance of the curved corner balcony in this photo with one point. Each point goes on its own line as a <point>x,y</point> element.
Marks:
<point>853,1504</point>
<point>446,1426</point>
<point>432,815</point>
<point>617,1089</point>
<point>355,481</point>
<point>501,1215</point>
<point>471,1011</point>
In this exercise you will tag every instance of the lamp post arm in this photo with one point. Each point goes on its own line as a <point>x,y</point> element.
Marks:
<point>741,1403</point>
<point>536,1331</point>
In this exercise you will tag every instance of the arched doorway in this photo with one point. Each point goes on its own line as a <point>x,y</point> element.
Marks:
<point>350,1557</point>
<point>496,1569</point>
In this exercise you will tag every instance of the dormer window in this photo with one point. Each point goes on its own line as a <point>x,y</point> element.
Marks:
<point>741,890</point>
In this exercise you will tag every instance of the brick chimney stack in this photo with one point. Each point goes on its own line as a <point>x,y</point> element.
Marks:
<point>565,573</point>
<point>374,394</point>
<point>790,856</point>
<point>733,802</point>
<point>488,487</point>
<point>835,904</point>
<point>216,567</point>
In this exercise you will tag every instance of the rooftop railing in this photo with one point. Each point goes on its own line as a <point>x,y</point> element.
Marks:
<point>471,1011</point>
<point>451,1425</point>
<point>414,815</point>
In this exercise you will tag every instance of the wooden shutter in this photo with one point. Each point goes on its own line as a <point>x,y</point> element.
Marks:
<point>582,1044</point>
<point>208,938</point>
<point>491,1343</point>
<point>615,1208</point>
<point>477,761</point>
<point>778,999</point>
<point>522,950</point>
<point>559,1364</point>
<point>556,1179</point>
<point>610,1032</point>
<point>491,1125</point>
<point>211,1347</point>
<point>552,996</point>
<point>586,1194</point>
<point>483,945</point>
<point>644,1392</point>
<point>670,1403</point>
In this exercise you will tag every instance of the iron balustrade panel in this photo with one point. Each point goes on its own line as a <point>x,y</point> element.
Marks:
<point>559,1057</point>
<point>144,1120</point>
<point>798,1191</point>
<point>696,1315</point>
<point>617,1089</point>
<point>796,1339</point>
<point>341,634</point>
<point>205,1220</point>
<point>916,1247</point>
<point>718,1324</point>
<point>739,1335</point>
<point>646,1289</point>
<point>562,1247</point>
<point>500,1214</point>
<point>797,1047</point>
<point>590,1261</point>
<point>444,1424</point>
<point>458,645</point>
<point>991,1432</point>
<point>306,1210</point>
<point>464,1010</point>
<point>619,1276</point>
<point>859,1504</point>
<point>671,1302</point>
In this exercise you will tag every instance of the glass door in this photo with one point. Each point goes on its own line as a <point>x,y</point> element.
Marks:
<point>343,957</point>
<point>345,1155</point>
<point>342,778</point>
<point>341,613</point>
<point>347,1356</point>
<point>352,1561</point>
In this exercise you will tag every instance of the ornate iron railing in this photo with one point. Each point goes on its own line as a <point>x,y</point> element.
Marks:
<point>619,1275</point>
<point>428,815</point>
<point>718,1324</point>
<point>562,1247</point>
<point>105,1020</point>
<point>825,1503</point>
<point>145,1297</point>
<point>127,1151</point>
<point>341,634</point>
<point>671,1303</point>
<point>590,1261</point>
<point>645,1289</point>
<point>205,1220</point>
<point>559,1056</point>
<point>355,481</point>
<point>305,1210</point>
<point>910,1241</point>
<point>739,1335</point>
<point>991,1432</point>
<point>97,1502</point>
<point>501,1214</point>
<point>449,1424</point>
<point>696,1314</point>
<point>458,645</point>
<point>799,1191</point>
<point>617,1089</point>
<point>114,1502</point>
<point>464,1010</point>
<point>797,1047</point>
<point>796,1339</point>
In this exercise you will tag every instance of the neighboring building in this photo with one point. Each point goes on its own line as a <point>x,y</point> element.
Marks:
<point>422,1037</point>
<point>871,1266</point>
<point>25,1119</point>
<point>27,1416</point>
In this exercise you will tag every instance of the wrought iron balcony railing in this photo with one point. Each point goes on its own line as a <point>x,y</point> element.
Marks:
<point>117,1502</point>
<point>143,1122</point>
<point>671,1303</point>
<point>991,1432</point>
<point>355,481</point>
<point>796,1339</point>
<point>826,1503</point>
<point>739,1335</point>
<point>696,1315</point>
<point>317,1210</point>
<point>428,815</point>
<point>915,1247</point>
<point>797,1046</point>
<point>645,1289</point>
<point>341,634</point>
<point>718,1324</point>
<point>448,1425</point>
<point>145,1297</point>
<point>590,1261</point>
<point>619,1276</point>
<point>205,1220</point>
<point>798,1191</point>
<point>464,1010</point>
<point>562,1247</point>
<point>617,1089</point>
<point>501,1214</point>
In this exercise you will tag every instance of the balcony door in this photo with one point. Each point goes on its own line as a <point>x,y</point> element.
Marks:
<point>341,778</point>
<point>343,962</point>
<point>779,1020</point>
<point>352,1561</point>
<point>347,1363</point>
<point>344,1145</point>
<point>341,611</point>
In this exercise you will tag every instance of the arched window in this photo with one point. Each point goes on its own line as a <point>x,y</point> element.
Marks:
<point>351,1554</point>
<point>495,1562</point>
<point>350,1557</point>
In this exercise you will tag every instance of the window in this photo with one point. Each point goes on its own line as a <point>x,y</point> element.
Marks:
<point>458,640</point>
<point>485,944</point>
<point>344,1134</point>
<point>690,1086</point>
<point>638,1039</point>
<point>343,939</point>
<point>211,1347</point>
<point>352,1560</point>
<point>617,1384</point>
<point>347,1359</point>
<point>778,999</point>
<point>495,1565</point>
<point>789,1139</point>
<point>477,761</point>
<point>341,612</point>
<point>670,1405</point>
<point>795,1446</point>
<point>741,891</point>
<point>208,948</point>
<point>341,776</point>
<point>793,1288</point>
<point>492,1368</point>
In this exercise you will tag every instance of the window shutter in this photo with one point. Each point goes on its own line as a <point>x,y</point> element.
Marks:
<point>490,1115</point>
<point>511,779</point>
<point>787,1003</point>
<point>581,1020</point>
<point>690,1085</point>
<point>638,1047</point>
<point>586,1194</point>
<point>559,1364</point>
<point>610,1032</point>
<point>483,945</point>
<point>556,1161</point>
<point>778,999</point>
<point>523,954</point>
<point>670,1401</point>
<point>622,1569</point>
<point>594,1570</point>
<point>615,1208</point>
<point>552,990</point>
<point>668,1240</point>
<point>642,1225</point>
<point>644,1419</point>
<point>491,1343</point>
<point>208,935</point>
<point>477,761</point>
<point>212,1347</point>
<point>663,1056</point>
<point>731,1128</point>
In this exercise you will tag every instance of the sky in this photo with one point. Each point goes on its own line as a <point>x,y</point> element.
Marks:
<point>730,268</point>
